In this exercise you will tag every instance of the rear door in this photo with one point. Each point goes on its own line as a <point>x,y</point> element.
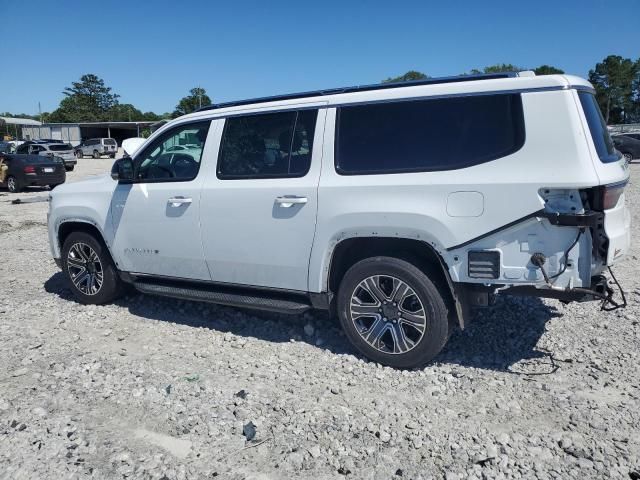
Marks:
<point>156,219</point>
<point>259,210</point>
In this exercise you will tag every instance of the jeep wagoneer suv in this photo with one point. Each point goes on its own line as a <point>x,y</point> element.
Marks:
<point>396,206</point>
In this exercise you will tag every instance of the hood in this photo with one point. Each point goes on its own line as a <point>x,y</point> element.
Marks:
<point>95,183</point>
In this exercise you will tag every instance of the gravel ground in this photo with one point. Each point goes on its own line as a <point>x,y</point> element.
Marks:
<point>165,389</point>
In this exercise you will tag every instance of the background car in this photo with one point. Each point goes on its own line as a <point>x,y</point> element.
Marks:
<point>62,150</point>
<point>627,145</point>
<point>635,135</point>
<point>96,147</point>
<point>33,170</point>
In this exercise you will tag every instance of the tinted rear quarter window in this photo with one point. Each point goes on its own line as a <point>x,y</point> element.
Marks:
<point>428,135</point>
<point>598,128</point>
<point>60,147</point>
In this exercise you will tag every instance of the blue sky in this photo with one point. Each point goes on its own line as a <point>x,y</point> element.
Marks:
<point>152,53</point>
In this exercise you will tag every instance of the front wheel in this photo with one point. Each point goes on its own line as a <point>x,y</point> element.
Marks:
<point>79,154</point>
<point>627,156</point>
<point>392,313</point>
<point>13,185</point>
<point>91,272</point>
<point>69,168</point>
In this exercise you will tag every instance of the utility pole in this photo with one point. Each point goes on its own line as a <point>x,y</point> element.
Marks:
<point>40,112</point>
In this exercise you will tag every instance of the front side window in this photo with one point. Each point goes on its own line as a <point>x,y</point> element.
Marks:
<point>598,128</point>
<point>162,162</point>
<point>428,135</point>
<point>270,145</point>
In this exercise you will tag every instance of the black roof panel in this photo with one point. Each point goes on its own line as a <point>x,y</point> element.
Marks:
<point>362,88</point>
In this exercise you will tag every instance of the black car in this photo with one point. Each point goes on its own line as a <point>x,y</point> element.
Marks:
<point>32,170</point>
<point>627,145</point>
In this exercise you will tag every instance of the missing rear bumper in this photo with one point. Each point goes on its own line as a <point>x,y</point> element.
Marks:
<point>609,292</point>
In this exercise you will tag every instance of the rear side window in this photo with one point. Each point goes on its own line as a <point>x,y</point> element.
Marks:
<point>270,145</point>
<point>62,147</point>
<point>598,128</point>
<point>428,135</point>
<point>109,141</point>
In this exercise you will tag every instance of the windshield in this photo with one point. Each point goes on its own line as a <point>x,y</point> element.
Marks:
<point>60,147</point>
<point>598,128</point>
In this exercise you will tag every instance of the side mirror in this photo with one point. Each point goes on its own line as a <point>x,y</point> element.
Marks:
<point>122,170</point>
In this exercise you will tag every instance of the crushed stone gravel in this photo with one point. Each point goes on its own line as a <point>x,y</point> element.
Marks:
<point>153,388</point>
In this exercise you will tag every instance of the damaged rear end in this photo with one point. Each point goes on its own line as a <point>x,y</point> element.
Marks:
<point>567,249</point>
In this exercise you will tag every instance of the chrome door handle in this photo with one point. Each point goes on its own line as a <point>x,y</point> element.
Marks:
<point>177,201</point>
<point>288,201</point>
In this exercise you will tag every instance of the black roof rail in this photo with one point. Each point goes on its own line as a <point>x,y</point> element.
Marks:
<point>362,88</point>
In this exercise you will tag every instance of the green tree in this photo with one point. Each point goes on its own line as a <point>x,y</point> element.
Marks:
<point>501,67</point>
<point>613,79</point>
<point>124,112</point>
<point>547,70</point>
<point>196,99</point>
<point>88,100</point>
<point>410,76</point>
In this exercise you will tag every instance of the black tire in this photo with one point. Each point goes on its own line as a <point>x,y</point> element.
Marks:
<point>111,286</point>
<point>69,168</point>
<point>79,154</point>
<point>436,323</point>
<point>627,156</point>
<point>96,154</point>
<point>13,185</point>
<point>113,155</point>
<point>52,186</point>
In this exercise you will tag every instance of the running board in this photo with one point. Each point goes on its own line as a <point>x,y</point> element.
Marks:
<point>252,299</point>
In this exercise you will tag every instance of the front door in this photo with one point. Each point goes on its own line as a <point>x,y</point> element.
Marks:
<point>155,220</point>
<point>259,207</point>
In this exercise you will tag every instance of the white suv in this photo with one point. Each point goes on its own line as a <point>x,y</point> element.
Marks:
<point>397,207</point>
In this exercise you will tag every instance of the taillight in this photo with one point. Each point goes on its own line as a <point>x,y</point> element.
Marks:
<point>29,169</point>
<point>605,197</point>
<point>611,194</point>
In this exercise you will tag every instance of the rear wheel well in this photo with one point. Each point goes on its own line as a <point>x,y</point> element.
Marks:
<point>350,251</point>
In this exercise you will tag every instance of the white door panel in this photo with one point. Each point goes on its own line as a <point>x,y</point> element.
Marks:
<point>260,231</point>
<point>157,224</point>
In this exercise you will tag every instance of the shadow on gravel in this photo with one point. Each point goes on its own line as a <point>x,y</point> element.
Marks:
<point>268,326</point>
<point>497,338</point>
<point>502,335</point>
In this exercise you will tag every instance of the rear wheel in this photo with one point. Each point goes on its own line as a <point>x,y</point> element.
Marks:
<point>13,185</point>
<point>392,313</point>
<point>79,154</point>
<point>96,154</point>
<point>113,155</point>
<point>90,269</point>
<point>627,156</point>
<point>69,168</point>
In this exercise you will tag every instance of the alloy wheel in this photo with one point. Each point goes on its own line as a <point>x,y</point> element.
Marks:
<point>85,268</point>
<point>12,185</point>
<point>388,314</point>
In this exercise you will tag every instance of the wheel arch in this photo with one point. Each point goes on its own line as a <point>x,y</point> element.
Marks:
<point>349,251</point>
<point>67,227</point>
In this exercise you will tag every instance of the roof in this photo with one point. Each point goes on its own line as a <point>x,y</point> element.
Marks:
<point>432,88</point>
<point>19,121</point>
<point>363,88</point>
